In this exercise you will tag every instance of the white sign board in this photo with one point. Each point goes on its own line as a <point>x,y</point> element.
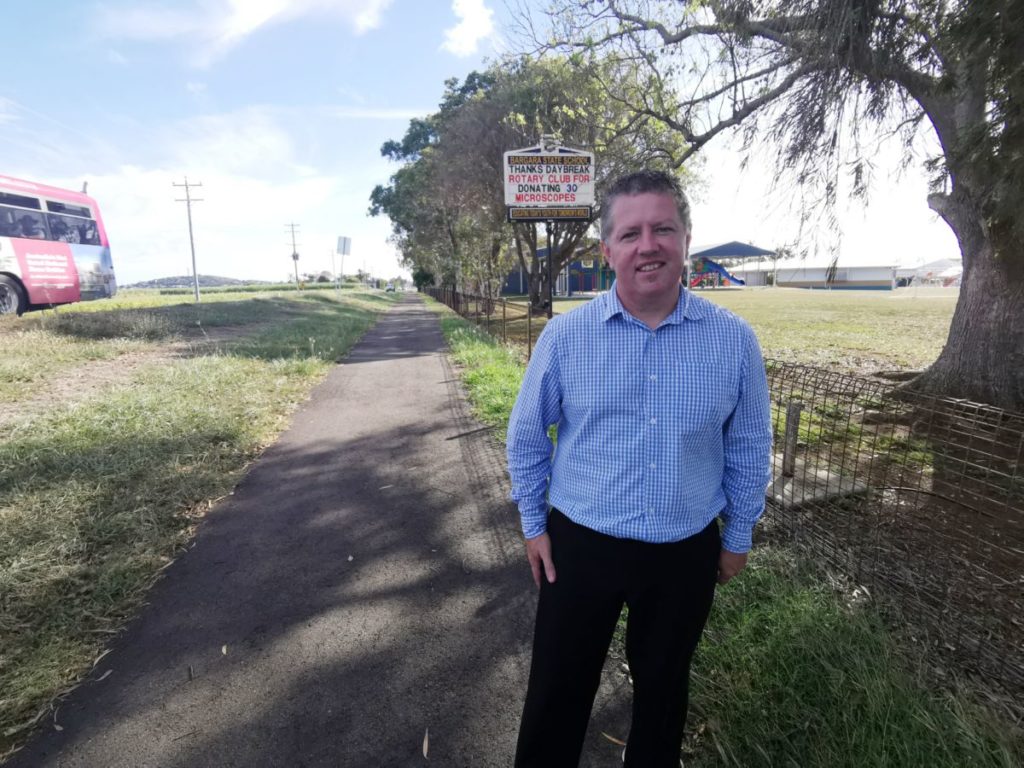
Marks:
<point>549,177</point>
<point>344,245</point>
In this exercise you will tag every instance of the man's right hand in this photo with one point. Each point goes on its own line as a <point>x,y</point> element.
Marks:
<point>538,552</point>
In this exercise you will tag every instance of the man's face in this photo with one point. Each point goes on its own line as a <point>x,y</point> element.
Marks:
<point>647,248</point>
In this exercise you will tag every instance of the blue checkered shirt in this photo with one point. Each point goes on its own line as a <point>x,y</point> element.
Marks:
<point>659,431</point>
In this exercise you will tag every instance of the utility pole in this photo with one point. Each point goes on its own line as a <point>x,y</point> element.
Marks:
<point>295,253</point>
<point>191,241</point>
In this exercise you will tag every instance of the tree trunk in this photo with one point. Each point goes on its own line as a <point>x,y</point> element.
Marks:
<point>538,288</point>
<point>983,359</point>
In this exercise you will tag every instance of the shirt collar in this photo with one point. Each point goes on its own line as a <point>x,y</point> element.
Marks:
<point>688,307</point>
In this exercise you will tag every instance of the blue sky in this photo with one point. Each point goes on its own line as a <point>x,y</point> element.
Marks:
<point>279,108</point>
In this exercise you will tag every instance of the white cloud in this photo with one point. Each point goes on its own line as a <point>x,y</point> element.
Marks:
<point>370,17</point>
<point>255,176</point>
<point>196,88</point>
<point>474,25</point>
<point>115,57</point>
<point>214,27</point>
<point>247,142</point>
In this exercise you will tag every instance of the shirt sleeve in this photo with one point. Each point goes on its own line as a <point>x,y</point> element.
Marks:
<point>530,450</point>
<point>747,438</point>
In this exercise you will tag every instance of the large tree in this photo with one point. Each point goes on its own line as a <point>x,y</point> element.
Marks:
<point>432,218</point>
<point>804,75</point>
<point>458,151</point>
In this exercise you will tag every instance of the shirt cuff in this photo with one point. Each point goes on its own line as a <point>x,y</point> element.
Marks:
<point>737,537</point>
<point>534,522</point>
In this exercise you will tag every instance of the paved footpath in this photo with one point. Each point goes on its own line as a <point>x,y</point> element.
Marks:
<point>364,584</point>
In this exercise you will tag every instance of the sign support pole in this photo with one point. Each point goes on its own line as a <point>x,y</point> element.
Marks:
<point>551,281</point>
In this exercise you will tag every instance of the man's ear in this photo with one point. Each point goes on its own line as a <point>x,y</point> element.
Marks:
<point>604,251</point>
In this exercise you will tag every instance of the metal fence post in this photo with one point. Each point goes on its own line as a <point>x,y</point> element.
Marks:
<point>793,410</point>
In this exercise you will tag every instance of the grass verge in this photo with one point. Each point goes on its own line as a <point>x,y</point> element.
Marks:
<point>98,496</point>
<point>788,674</point>
<point>491,372</point>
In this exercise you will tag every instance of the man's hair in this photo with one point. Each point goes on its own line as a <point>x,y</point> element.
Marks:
<point>638,183</point>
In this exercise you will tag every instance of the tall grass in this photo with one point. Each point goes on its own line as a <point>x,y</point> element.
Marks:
<point>96,497</point>
<point>492,373</point>
<point>790,673</point>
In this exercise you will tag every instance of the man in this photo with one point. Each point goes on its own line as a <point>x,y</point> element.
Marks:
<point>661,405</point>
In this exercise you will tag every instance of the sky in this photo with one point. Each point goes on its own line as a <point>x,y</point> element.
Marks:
<point>279,109</point>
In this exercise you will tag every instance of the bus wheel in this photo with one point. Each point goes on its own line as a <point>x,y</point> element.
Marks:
<point>12,298</point>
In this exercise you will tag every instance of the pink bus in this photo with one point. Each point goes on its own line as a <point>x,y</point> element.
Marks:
<point>53,248</point>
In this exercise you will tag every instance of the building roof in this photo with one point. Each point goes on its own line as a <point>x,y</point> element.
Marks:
<point>815,262</point>
<point>733,249</point>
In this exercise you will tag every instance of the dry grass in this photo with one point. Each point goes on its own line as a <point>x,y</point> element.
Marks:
<point>100,489</point>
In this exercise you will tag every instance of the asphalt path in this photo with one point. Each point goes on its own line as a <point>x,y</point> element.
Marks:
<point>362,596</point>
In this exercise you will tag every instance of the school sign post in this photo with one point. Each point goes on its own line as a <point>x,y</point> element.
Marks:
<point>549,183</point>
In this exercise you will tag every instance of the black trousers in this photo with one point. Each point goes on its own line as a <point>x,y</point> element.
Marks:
<point>668,589</point>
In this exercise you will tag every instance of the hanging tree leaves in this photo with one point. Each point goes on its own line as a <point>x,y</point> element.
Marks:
<point>804,77</point>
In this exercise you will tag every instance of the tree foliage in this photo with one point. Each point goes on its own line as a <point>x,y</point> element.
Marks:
<point>446,202</point>
<point>806,76</point>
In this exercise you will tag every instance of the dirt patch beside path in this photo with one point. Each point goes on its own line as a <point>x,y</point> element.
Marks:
<point>82,383</point>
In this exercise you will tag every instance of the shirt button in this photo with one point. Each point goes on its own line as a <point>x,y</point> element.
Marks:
<point>654,377</point>
<point>654,420</point>
<point>653,465</point>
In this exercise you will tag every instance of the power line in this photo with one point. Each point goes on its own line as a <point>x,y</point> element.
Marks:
<point>191,241</point>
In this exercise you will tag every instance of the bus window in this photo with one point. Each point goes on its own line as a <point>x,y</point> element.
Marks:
<point>22,201</point>
<point>29,224</point>
<point>71,210</point>
<point>70,229</point>
<point>87,232</point>
<point>8,221</point>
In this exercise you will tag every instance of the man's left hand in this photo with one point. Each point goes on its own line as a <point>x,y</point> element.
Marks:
<point>730,564</point>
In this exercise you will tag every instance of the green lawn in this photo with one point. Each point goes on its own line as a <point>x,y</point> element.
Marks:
<point>790,673</point>
<point>850,331</point>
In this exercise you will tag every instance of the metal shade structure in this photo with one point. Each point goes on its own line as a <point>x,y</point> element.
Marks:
<point>716,252</point>
<point>731,250</point>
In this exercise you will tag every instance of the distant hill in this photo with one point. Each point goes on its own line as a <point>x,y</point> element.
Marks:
<point>205,281</point>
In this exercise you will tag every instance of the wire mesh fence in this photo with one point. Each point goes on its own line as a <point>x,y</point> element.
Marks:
<point>920,499</point>
<point>914,500</point>
<point>506,319</point>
